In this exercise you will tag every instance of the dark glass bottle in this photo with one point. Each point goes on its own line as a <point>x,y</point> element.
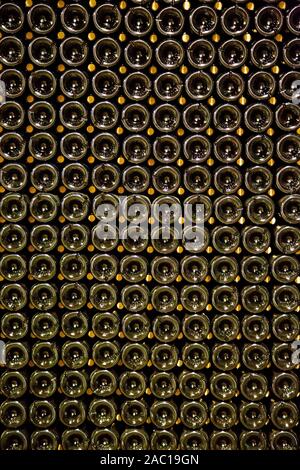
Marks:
<point>253,415</point>
<point>41,18</point>
<point>134,439</point>
<point>75,354</point>
<point>194,440</point>
<point>192,384</point>
<point>223,386</point>
<point>253,440</point>
<point>285,385</point>
<point>163,385</point>
<point>134,412</point>
<point>283,440</point>
<point>163,440</point>
<point>254,386</point>
<point>170,21</point>
<point>13,177</point>
<point>284,415</point>
<point>107,18</point>
<point>74,18</point>
<point>17,355</point>
<point>223,415</point>
<point>136,326</point>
